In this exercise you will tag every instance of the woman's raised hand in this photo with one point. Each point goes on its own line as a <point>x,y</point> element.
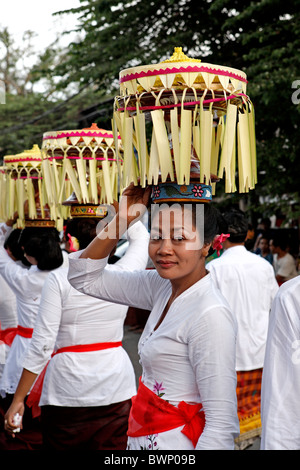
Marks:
<point>133,203</point>
<point>132,206</point>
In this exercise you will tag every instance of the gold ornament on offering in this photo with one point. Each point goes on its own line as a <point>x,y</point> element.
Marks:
<point>183,120</point>
<point>89,210</point>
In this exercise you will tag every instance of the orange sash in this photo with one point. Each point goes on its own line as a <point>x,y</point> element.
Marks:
<point>150,414</point>
<point>35,394</point>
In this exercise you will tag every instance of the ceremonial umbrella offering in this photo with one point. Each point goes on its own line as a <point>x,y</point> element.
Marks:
<point>25,189</point>
<point>188,123</point>
<point>82,166</point>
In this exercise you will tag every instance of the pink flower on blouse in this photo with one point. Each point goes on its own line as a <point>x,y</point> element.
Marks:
<point>158,388</point>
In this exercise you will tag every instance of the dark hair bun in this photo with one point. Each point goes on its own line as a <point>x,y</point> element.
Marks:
<point>237,224</point>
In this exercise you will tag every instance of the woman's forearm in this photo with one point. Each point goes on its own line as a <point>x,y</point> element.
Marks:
<point>132,206</point>
<point>17,406</point>
<point>106,240</point>
<point>25,383</point>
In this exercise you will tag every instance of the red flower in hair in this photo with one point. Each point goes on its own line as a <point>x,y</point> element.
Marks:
<point>217,243</point>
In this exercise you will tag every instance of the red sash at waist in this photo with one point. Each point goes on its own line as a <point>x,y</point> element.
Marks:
<point>8,335</point>
<point>25,332</point>
<point>35,394</point>
<point>151,414</point>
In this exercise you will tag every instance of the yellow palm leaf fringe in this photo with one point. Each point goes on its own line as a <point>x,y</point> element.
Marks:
<point>26,188</point>
<point>181,115</point>
<point>4,190</point>
<point>83,161</point>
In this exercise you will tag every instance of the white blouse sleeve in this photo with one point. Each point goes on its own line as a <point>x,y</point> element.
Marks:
<point>212,355</point>
<point>107,282</point>
<point>136,256</point>
<point>126,282</point>
<point>281,375</point>
<point>4,232</point>
<point>15,275</point>
<point>46,327</point>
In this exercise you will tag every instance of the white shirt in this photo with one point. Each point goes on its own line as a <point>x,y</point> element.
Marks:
<point>285,266</point>
<point>8,306</point>
<point>280,411</point>
<point>67,317</point>
<point>190,356</point>
<point>27,286</point>
<point>248,283</point>
<point>8,317</point>
<point>8,303</point>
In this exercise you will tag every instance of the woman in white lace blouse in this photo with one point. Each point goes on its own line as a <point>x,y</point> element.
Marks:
<point>187,393</point>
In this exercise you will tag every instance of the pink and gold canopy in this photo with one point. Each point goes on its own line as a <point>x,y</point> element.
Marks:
<point>25,189</point>
<point>85,162</point>
<point>183,118</point>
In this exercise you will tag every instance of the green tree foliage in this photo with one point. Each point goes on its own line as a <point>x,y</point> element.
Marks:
<point>118,34</point>
<point>33,103</point>
<point>260,37</point>
<point>24,119</point>
<point>269,33</point>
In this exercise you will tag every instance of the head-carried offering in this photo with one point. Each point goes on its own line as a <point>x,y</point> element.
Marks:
<point>184,125</point>
<point>82,169</point>
<point>25,189</point>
